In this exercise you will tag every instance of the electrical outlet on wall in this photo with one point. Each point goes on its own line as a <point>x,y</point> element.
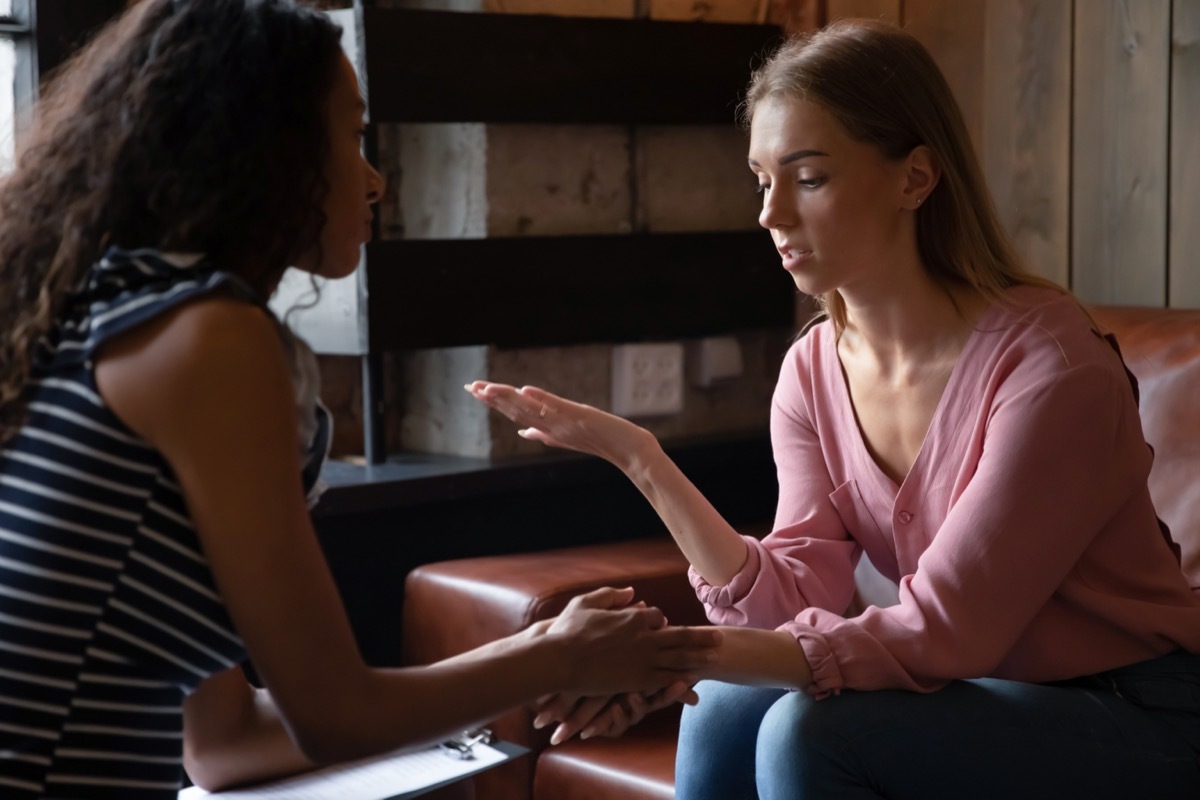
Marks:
<point>647,379</point>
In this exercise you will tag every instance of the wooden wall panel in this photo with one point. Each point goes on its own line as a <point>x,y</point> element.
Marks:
<point>1026,147</point>
<point>1119,151</point>
<point>706,10</point>
<point>621,9</point>
<point>1184,254</point>
<point>952,30</point>
<point>794,16</point>
<point>886,10</point>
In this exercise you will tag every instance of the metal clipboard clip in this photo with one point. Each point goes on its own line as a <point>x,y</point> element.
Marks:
<point>462,747</point>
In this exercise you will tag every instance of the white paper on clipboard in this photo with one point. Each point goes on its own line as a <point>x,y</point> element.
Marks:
<point>378,778</point>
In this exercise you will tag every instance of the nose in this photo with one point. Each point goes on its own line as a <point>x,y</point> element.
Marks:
<point>778,209</point>
<point>375,183</point>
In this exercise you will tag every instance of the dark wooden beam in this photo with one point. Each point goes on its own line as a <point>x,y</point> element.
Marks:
<point>430,66</point>
<point>549,291</point>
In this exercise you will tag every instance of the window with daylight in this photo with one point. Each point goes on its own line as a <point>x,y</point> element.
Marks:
<point>16,83</point>
<point>8,57</point>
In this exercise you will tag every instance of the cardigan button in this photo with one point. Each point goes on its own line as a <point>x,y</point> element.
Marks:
<point>904,517</point>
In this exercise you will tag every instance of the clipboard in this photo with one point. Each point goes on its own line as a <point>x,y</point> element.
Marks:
<point>392,776</point>
<point>508,749</point>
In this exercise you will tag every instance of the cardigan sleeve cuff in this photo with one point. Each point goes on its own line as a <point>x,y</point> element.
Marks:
<point>723,604</point>
<point>826,674</point>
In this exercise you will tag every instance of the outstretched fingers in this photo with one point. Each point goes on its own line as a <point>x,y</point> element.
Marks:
<point>532,409</point>
<point>509,401</point>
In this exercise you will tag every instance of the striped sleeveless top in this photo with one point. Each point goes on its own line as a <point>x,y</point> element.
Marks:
<point>108,611</point>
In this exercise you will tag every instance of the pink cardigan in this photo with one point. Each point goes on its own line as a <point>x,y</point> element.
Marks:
<point>1023,540</point>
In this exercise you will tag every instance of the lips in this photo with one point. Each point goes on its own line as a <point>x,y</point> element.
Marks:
<point>793,257</point>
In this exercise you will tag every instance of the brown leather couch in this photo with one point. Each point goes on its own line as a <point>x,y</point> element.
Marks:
<point>455,605</point>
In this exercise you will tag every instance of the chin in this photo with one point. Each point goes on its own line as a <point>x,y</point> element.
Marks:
<point>806,285</point>
<point>338,274</point>
<point>336,269</point>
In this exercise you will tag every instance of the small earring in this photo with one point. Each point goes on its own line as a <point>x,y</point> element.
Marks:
<point>920,200</point>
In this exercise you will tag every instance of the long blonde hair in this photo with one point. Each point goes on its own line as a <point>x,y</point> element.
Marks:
<point>884,88</point>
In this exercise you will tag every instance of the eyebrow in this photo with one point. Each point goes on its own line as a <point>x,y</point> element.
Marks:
<point>790,157</point>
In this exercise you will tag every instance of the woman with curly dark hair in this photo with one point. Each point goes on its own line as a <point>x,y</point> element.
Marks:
<point>158,444</point>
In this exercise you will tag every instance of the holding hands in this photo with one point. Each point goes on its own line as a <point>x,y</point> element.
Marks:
<point>606,716</point>
<point>610,645</point>
<point>609,714</point>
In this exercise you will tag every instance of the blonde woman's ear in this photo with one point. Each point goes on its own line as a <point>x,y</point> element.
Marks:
<point>921,175</point>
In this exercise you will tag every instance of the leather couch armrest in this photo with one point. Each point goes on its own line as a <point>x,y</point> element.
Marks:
<point>453,606</point>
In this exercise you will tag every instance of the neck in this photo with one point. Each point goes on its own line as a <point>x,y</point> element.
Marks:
<point>911,322</point>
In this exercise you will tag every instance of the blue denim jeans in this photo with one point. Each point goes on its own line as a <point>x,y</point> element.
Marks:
<point>1130,733</point>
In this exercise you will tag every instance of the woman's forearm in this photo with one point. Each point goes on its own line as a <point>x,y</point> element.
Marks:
<point>709,543</point>
<point>414,706</point>
<point>497,646</point>
<point>713,547</point>
<point>755,657</point>
<point>234,735</point>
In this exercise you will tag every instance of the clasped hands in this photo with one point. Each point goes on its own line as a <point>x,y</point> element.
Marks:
<point>606,714</point>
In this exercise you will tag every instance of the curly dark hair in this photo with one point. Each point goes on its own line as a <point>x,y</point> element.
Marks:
<point>185,125</point>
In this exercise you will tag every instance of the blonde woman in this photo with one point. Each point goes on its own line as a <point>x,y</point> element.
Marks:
<point>963,424</point>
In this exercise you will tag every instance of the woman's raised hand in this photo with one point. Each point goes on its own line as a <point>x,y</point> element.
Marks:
<point>555,421</point>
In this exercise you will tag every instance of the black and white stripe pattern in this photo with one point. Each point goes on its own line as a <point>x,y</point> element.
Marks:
<point>108,611</point>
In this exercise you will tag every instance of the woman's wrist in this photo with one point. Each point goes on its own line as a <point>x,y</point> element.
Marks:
<point>549,656</point>
<point>642,459</point>
<point>758,657</point>
<point>538,628</point>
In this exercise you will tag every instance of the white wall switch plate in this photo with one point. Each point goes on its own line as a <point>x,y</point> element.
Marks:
<point>647,379</point>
